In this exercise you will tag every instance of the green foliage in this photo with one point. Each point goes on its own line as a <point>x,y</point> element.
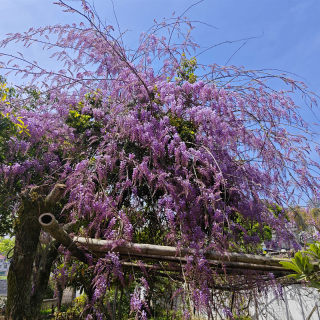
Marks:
<point>94,98</point>
<point>10,128</point>
<point>314,250</point>
<point>5,213</point>
<point>5,92</point>
<point>81,122</point>
<point>186,71</point>
<point>49,293</point>
<point>10,124</point>
<point>300,264</point>
<point>7,131</point>
<point>79,275</point>
<point>34,96</point>
<point>185,128</point>
<point>171,315</point>
<point>6,245</point>
<point>248,228</point>
<point>275,209</point>
<point>46,313</point>
<point>148,235</point>
<point>117,297</point>
<point>74,311</point>
<point>161,292</point>
<point>305,265</point>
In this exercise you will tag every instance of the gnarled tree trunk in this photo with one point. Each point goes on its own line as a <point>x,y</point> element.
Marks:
<point>42,277</point>
<point>21,295</point>
<point>27,231</point>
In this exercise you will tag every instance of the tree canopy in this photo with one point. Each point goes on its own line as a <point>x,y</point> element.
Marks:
<point>152,146</point>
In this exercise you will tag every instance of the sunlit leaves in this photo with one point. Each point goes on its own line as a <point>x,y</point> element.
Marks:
<point>186,71</point>
<point>6,245</point>
<point>80,122</point>
<point>314,250</point>
<point>306,264</point>
<point>186,129</point>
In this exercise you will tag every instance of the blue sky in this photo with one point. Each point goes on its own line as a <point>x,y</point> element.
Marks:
<point>287,32</point>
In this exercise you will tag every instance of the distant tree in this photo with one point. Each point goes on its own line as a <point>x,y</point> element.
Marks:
<point>6,245</point>
<point>144,146</point>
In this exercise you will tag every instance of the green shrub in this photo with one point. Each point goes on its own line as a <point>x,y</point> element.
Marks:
<point>74,311</point>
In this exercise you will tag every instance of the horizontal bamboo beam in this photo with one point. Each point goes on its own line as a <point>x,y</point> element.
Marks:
<point>214,263</point>
<point>178,256</point>
<point>167,252</point>
<point>221,269</point>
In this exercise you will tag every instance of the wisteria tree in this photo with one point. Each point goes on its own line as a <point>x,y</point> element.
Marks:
<point>148,146</point>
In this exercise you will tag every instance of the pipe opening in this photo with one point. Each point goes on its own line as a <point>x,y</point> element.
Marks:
<point>46,218</point>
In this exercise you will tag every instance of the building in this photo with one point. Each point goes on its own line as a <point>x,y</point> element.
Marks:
<point>4,266</point>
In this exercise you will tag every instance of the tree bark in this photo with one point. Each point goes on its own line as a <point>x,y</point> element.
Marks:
<point>27,231</point>
<point>59,296</point>
<point>42,277</point>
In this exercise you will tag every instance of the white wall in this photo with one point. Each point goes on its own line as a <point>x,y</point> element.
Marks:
<point>296,303</point>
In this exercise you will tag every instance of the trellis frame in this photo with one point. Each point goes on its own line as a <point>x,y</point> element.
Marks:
<point>172,258</point>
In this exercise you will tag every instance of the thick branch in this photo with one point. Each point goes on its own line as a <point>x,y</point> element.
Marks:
<point>55,195</point>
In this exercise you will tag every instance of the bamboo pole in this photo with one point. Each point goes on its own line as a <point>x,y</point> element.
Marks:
<point>50,225</point>
<point>221,260</point>
<point>150,250</point>
<point>214,263</point>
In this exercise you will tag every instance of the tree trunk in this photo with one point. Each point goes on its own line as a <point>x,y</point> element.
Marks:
<point>42,277</point>
<point>27,231</point>
<point>59,296</point>
<point>21,295</point>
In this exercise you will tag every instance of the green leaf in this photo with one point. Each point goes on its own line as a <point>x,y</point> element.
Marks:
<point>314,250</point>
<point>298,260</point>
<point>309,268</point>
<point>315,284</point>
<point>291,266</point>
